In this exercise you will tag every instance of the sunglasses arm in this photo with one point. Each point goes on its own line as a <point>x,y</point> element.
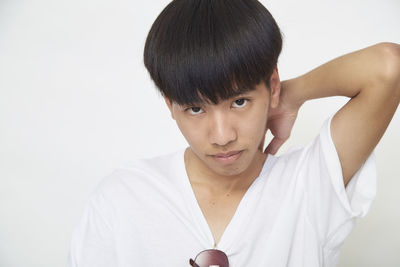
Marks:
<point>192,263</point>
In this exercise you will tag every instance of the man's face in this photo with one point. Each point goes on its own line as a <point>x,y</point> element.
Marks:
<point>225,137</point>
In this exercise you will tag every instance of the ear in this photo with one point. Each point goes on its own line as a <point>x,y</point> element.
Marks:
<point>169,105</point>
<point>275,88</point>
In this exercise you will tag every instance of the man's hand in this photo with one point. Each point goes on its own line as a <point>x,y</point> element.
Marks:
<point>281,119</point>
<point>370,77</point>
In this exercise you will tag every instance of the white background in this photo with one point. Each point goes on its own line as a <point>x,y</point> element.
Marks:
<point>76,101</point>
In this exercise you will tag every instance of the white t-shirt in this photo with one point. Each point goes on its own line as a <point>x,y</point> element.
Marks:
<point>296,213</point>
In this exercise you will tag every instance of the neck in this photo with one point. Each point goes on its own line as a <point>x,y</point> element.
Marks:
<point>200,174</point>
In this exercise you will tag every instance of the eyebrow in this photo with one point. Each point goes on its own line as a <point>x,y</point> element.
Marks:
<point>197,104</point>
<point>237,93</point>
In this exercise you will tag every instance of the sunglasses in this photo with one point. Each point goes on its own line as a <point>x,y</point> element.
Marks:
<point>210,258</point>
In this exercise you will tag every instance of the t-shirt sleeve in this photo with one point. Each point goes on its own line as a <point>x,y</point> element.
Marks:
<point>92,240</point>
<point>332,207</point>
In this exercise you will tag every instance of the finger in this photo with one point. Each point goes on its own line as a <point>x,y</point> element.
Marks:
<point>274,145</point>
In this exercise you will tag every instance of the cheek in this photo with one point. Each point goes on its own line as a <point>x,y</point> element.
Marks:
<point>255,126</point>
<point>192,133</point>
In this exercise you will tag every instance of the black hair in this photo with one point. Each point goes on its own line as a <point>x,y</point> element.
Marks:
<point>211,50</point>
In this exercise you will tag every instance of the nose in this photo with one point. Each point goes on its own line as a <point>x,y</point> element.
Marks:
<point>221,129</point>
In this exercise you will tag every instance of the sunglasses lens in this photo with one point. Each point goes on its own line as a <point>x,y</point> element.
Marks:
<point>212,258</point>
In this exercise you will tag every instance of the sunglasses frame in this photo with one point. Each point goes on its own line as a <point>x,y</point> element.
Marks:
<point>210,255</point>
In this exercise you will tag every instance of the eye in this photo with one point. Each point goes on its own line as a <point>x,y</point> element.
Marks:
<point>239,103</point>
<point>194,110</point>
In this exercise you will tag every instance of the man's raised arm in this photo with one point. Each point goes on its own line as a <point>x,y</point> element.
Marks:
<point>371,78</point>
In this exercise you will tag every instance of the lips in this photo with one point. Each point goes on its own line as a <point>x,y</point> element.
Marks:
<point>227,158</point>
<point>226,155</point>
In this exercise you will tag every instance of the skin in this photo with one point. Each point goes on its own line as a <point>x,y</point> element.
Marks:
<point>236,124</point>
<point>369,77</point>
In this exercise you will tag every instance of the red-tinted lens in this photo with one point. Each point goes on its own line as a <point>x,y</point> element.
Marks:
<point>211,258</point>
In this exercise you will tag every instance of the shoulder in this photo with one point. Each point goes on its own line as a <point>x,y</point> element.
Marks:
<point>165,165</point>
<point>141,175</point>
<point>300,158</point>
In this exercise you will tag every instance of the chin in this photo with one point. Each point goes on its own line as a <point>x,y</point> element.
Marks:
<point>231,170</point>
<point>237,168</point>
<point>232,173</point>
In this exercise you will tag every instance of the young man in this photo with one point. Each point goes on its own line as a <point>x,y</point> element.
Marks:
<point>223,200</point>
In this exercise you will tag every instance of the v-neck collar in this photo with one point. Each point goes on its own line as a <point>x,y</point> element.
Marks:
<point>240,218</point>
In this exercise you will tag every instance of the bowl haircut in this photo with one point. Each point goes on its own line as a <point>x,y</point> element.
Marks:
<point>211,50</point>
